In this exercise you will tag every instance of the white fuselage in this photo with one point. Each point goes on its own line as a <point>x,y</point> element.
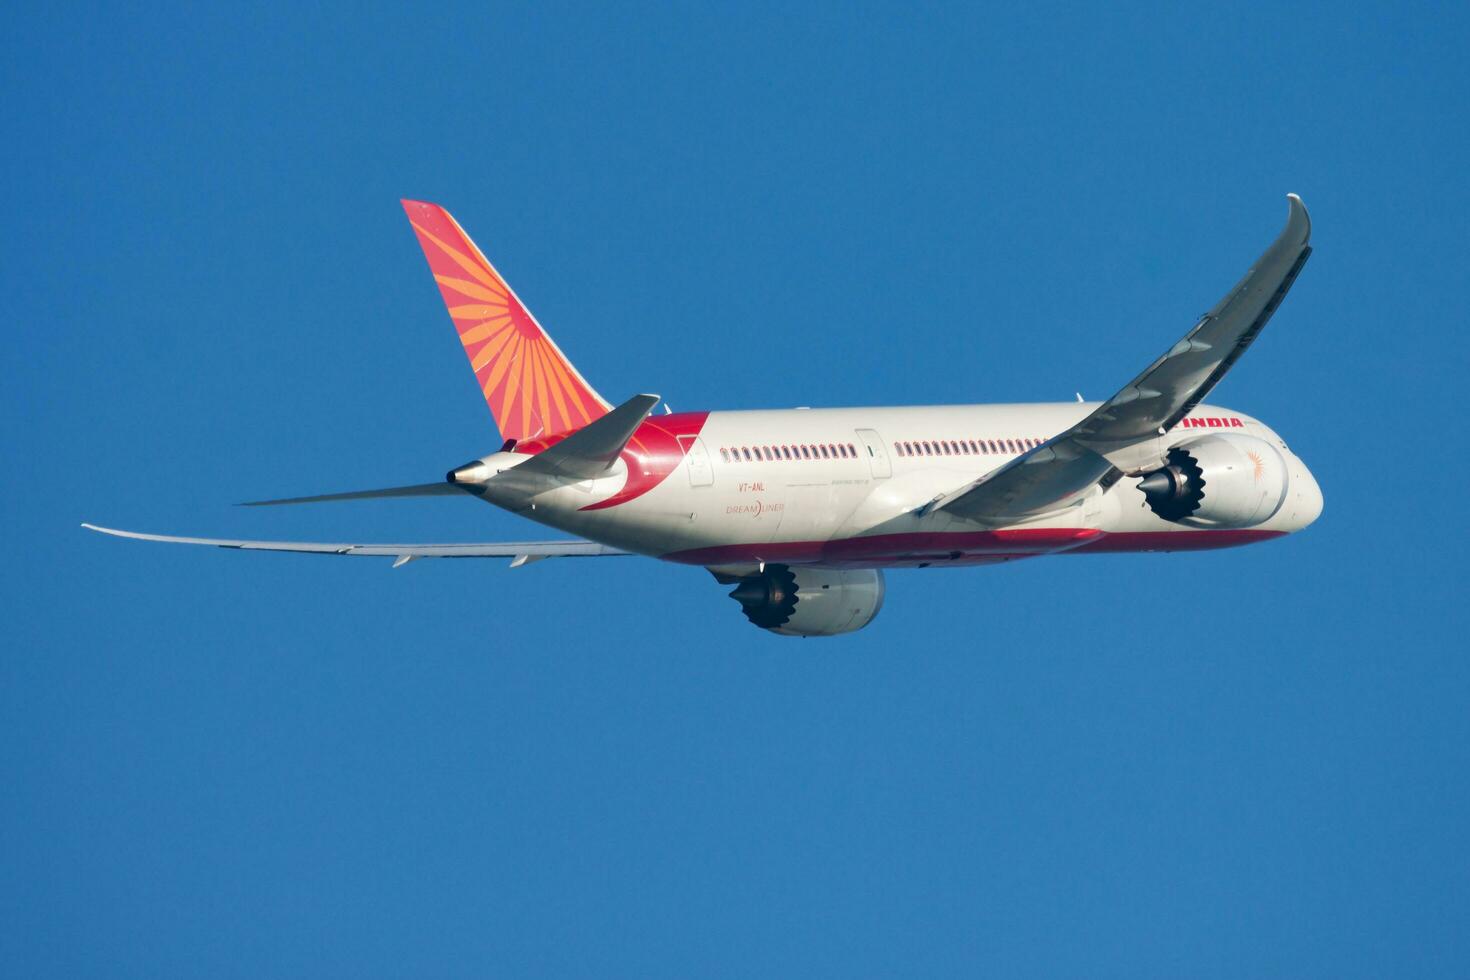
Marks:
<point>845,487</point>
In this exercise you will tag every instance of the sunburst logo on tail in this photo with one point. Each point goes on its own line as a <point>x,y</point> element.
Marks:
<point>530,386</point>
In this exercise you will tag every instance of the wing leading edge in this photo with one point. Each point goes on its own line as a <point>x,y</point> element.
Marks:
<point>1123,434</point>
<point>521,552</point>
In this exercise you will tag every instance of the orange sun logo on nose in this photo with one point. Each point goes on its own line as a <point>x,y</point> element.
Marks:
<point>1259,465</point>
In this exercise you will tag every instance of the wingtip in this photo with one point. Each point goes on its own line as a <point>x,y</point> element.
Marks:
<point>1298,215</point>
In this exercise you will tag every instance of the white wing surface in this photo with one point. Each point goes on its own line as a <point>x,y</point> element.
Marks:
<point>1122,435</point>
<point>521,552</point>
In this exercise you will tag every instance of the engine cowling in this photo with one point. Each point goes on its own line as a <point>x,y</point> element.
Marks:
<point>1218,481</point>
<point>804,601</point>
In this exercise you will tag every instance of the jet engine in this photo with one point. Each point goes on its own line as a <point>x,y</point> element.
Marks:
<point>805,601</point>
<point>1218,481</point>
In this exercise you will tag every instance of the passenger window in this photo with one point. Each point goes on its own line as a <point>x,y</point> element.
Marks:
<point>786,452</point>
<point>974,448</point>
<point>725,454</point>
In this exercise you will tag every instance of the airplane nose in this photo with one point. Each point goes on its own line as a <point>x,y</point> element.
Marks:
<point>1306,498</point>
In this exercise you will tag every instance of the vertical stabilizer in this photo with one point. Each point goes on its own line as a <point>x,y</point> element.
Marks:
<point>530,386</point>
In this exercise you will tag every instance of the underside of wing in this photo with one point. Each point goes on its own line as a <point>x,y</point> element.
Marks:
<point>1122,434</point>
<point>521,552</point>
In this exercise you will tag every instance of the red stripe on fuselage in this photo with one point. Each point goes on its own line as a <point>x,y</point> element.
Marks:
<point>964,547</point>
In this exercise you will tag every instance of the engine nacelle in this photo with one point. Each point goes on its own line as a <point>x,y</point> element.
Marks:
<point>1218,481</point>
<point>804,601</point>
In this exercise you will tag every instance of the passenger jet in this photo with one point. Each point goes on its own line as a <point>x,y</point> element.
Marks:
<point>802,510</point>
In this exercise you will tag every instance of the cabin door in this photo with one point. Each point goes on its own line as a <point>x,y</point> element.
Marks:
<point>876,452</point>
<point>701,472</point>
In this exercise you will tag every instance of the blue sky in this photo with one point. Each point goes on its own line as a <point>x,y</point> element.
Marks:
<point>1250,763</point>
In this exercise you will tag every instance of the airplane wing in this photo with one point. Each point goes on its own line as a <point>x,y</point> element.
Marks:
<point>1123,434</point>
<point>521,552</point>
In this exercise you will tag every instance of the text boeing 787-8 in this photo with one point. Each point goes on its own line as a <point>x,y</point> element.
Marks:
<point>802,509</point>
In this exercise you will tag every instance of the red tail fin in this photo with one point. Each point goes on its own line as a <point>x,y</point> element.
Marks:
<point>530,386</point>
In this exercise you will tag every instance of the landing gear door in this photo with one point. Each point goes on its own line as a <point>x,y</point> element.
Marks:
<point>876,452</point>
<point>701,471</point>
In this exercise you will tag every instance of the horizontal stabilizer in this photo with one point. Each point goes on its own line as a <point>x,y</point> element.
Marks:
<point>586,454</point>
<point>440,489</point>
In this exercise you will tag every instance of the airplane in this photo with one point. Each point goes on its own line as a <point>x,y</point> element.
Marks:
<point>803,510</point>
